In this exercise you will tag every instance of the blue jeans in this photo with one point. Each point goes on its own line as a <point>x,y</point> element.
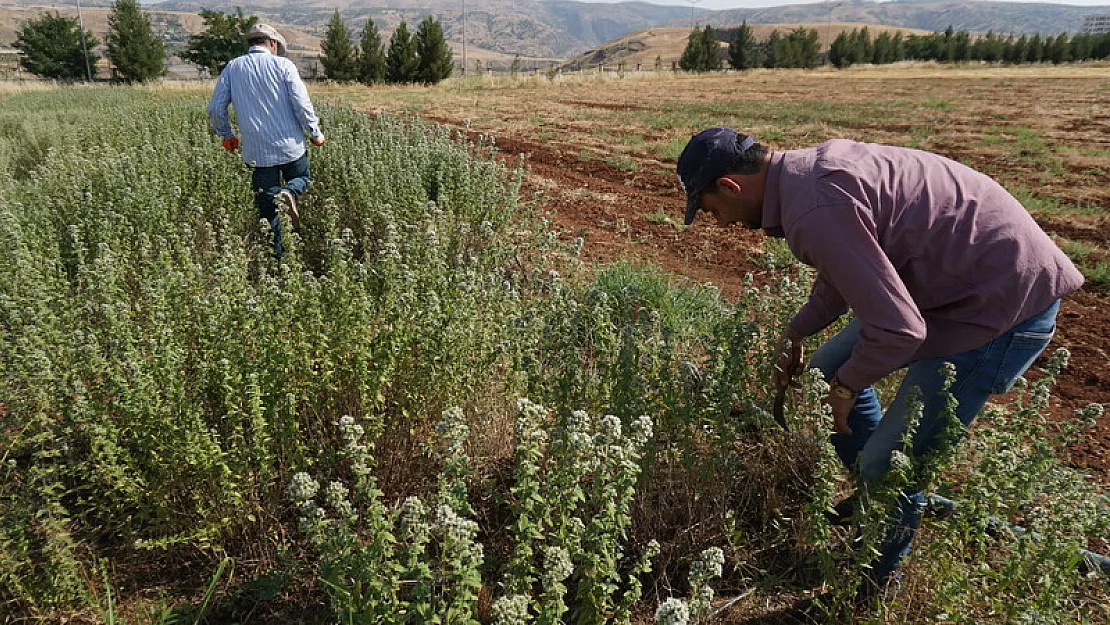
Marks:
<point>267,183</point>
<point>986,370</point>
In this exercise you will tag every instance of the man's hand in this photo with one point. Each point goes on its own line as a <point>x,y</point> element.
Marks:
<point>318,140</point>
<point>788,364</point>
<point>840,408</point>
<point>231,144</point>
<point>841,399</point>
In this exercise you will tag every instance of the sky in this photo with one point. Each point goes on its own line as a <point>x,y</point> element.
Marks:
<point>752,4</point>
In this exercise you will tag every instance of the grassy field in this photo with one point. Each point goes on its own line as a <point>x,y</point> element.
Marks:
<point>194,431</point>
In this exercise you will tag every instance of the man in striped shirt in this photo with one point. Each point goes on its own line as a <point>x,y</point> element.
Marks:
<point>274,114</point>
<point>942,267</point>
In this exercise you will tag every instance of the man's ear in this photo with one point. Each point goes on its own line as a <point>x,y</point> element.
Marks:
<point>729,186</point>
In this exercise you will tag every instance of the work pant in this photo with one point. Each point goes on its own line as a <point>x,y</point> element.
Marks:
<point>267,182</point>
<point>989,369</point>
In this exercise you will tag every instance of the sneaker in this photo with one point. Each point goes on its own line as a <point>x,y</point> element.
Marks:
<point>288,202</point>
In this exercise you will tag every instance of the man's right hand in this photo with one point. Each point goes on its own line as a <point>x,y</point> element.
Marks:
<point>318,140</point>
<point>788,362</point>
<point>231,144</point>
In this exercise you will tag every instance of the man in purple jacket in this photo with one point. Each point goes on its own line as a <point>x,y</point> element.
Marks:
<point>937,262</point>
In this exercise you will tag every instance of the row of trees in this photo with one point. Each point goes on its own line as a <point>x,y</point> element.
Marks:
<point>54,46</point>
<point>423,58</point>
<point>801,48</point>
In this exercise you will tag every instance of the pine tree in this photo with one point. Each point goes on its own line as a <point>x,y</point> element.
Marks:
<point>224,37</point>
<point>712,47</point>
<point>774,50</point>
<point>371,58</point>
<point>137,53</point>
<point>338,58</point>
<point>401,61</point>
<point>51,47</point>
<point>741,50</point>
<point>841,53</point>
<point>434,56</point>
<point>693,57</point>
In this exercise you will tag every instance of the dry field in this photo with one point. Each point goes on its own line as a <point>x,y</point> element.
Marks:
<point>601,152</point>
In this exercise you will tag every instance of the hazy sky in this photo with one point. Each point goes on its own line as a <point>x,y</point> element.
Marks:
<point>750,4</point>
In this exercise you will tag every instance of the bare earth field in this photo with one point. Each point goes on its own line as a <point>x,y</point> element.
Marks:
<point>601,149</point>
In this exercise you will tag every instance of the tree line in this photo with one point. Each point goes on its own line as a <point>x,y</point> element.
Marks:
<point>421,58</point>
<point>55,47</point>
<point>801,48</point>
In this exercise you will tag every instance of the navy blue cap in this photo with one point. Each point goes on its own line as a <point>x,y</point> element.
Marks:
<point>707,157</point>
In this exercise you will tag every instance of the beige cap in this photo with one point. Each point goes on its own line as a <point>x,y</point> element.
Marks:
<point>271,33</point>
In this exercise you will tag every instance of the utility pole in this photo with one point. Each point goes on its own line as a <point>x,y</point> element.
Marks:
<point>693,20</point>
<point>464,36</point>
<point>84,44</point>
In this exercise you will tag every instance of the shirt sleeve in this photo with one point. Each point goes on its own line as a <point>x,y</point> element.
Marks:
<point>839,241</point>
<point>217,108</point>
<point>825,306</point>
<point>299,100</point>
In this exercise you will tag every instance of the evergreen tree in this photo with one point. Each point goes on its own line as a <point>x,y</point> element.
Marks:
<point>862,47</point>
<point>805,46</point>
<point>961,46</point>
<point>371,57</point>
<point>433,54</point>
<point>693,56</point>
<point>51,47</point>
<point>224,37</point>
<point>712,49</point>
<point>136,52</point>
<point>1034,53</point>
<point>773,49</point>
<point>338,59</point>
<point>841,52</point>
<point>742,52</point>
<point>1059,51</point>
<point>400,61</point>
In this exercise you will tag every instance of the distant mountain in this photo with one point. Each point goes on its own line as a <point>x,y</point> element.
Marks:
<point>931,15</point>
<point>498,30</point>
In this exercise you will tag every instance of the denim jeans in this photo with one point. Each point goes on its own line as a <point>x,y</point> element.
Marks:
<point>986,370</point>
<point>267,183</point>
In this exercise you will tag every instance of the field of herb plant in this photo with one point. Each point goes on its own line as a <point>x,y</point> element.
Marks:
<point>436,407</point>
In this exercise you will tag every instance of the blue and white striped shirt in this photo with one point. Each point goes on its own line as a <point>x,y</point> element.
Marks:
<point>272,108</point>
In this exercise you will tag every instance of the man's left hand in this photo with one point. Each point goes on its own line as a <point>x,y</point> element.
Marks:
<point>841,407</point>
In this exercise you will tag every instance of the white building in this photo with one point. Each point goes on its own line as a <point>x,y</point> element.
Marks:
<point>1097,24</point>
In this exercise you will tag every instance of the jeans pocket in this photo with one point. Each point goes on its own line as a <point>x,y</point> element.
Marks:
<point>1022,350</point>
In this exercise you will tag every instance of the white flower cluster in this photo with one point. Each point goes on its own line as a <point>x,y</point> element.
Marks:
<point>557,563</point>
<point>455,527</point>
<point>641,430</point>
<point>302,487</point>
<point>673,611</point>
<point>335,496</point>
<point>710,565</point>
<point>351,433</point>
<point>453,431</point>
<point>510,610</point>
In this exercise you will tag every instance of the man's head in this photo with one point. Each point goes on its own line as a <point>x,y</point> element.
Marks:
<point>266,35</point>
<point>722,172</point>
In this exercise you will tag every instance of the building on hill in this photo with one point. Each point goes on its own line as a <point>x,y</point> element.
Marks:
<point>1097,24</point>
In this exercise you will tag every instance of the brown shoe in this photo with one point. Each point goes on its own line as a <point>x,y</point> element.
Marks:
<point>288,202</point>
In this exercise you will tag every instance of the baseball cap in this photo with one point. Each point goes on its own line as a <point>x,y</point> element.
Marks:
<point>271,33</point>
<point>707,157</point>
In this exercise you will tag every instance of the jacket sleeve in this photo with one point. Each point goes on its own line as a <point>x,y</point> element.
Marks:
<point>839,240</point>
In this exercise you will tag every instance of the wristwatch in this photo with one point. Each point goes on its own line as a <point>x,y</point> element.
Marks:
<point>841,391</point>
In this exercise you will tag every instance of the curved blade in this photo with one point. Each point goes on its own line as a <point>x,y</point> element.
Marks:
<point>779,408</point>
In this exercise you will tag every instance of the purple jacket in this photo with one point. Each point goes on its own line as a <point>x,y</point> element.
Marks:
<point>933,257</point>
